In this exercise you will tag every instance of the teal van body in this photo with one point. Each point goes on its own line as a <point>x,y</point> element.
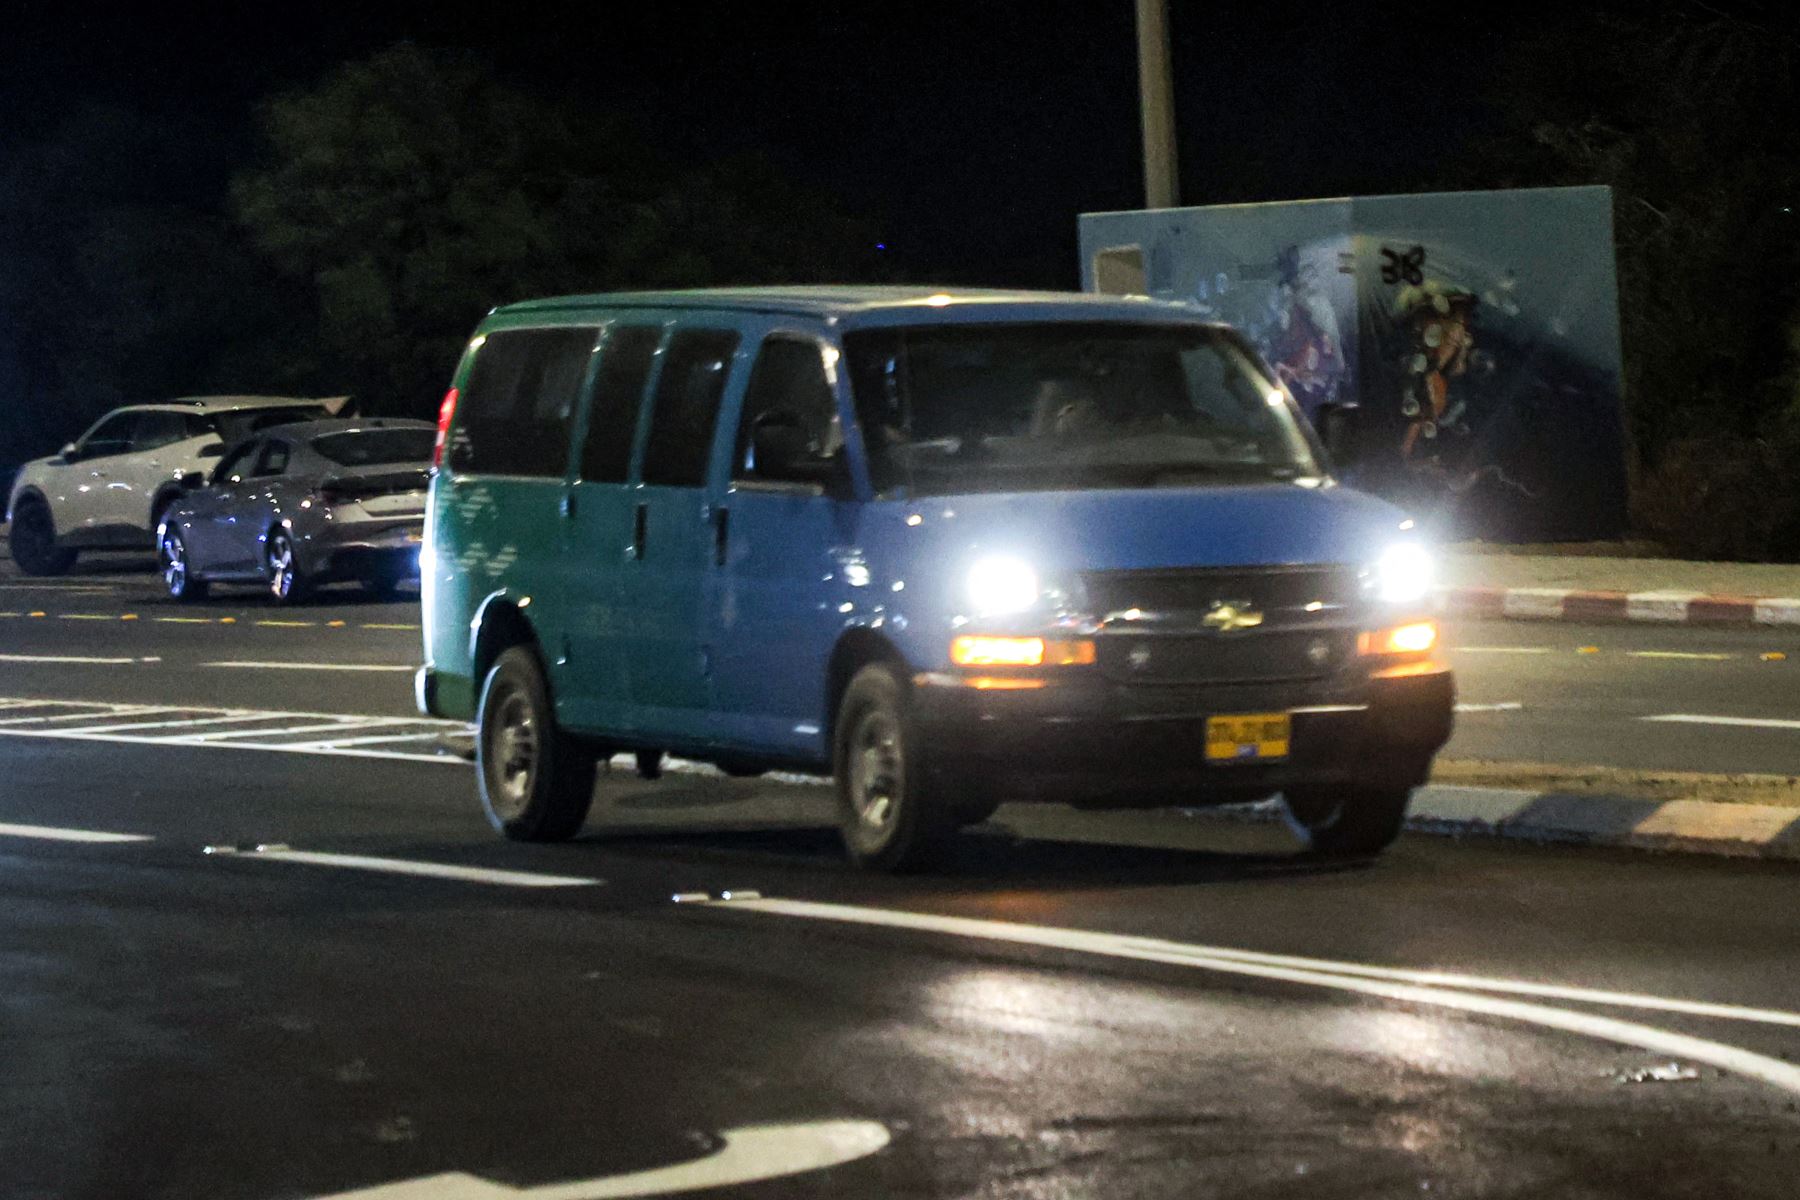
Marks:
<point>1076,535</point>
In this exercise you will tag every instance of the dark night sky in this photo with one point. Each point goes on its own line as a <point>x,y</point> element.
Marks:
<point>974,132</point>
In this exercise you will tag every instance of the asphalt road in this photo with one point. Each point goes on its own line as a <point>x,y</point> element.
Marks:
<point>1653,697</point>
<point>360,986</point>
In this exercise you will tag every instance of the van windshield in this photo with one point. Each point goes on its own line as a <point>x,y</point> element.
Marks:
<point>1068,405</point>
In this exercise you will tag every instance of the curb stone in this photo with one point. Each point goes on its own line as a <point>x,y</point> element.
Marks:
<point>1766,831</point>
<point>1669,608</point>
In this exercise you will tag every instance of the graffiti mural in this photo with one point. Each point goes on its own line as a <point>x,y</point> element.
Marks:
<point>1471,338</point>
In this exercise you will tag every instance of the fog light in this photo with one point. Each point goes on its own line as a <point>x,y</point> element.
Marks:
<point>1406,639</point>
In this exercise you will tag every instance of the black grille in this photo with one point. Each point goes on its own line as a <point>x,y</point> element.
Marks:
<point>1224,658</point>
<point>1265,589</point>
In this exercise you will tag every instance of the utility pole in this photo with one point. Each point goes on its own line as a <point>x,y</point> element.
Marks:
<point>1156,97</point>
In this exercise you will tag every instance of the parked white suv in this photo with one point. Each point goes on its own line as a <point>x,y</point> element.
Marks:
<point>108,489</point>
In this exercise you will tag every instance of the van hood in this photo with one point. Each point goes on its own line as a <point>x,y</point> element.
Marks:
<point>1245,525</point>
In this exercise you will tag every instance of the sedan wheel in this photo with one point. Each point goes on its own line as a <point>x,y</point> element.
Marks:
<point>286,583</point>
<point>177,570</point>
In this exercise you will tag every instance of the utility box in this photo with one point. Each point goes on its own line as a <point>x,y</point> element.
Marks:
<point>1459,350</point>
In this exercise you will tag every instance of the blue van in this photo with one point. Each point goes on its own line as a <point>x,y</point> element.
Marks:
<point>949,548</point>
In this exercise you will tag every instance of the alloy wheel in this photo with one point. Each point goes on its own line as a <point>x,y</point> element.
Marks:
<point>174,563</point>
<point>281,566</point>
<point>877,770</point>
<point>514,737</point>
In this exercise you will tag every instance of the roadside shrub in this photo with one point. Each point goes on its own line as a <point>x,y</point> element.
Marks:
<point>1722,497</point>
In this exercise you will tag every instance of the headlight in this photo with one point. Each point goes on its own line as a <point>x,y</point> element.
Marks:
<point>1405,573</point>
<point>1002,585</point>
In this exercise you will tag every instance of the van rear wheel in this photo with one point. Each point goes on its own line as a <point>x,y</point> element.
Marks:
<point>536,782</point>
<point>890,820</point>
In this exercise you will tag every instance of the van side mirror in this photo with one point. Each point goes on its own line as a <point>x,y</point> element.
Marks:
<point>210,450</point>
<point>1336,425</point>
<point>190,481</point>
<point>69,453</point>
<point>781,450</point>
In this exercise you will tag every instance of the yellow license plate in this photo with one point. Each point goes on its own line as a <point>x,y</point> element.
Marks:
<point>1248,737</point>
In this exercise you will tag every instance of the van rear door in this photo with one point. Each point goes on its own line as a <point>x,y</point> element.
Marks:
<point>598,534</point>
<point>509,456</point>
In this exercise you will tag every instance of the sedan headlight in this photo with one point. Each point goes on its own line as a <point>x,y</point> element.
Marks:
<point>1405,573</point>
<point>1001,585</point>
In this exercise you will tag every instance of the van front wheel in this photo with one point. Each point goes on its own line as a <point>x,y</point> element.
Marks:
<point>890,822</point>
<point>1347,821</point>
<point>536,782</point>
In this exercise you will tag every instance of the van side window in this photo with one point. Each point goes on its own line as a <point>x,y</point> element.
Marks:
<point>625,362</point>
<point>787,384</point>
<point>517,405</point>
<point>687,406</point>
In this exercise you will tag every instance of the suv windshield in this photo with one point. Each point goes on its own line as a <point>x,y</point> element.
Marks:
<point>376,447</point>
<point>1046,406</point>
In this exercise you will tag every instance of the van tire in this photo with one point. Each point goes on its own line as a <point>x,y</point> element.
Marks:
<point>32,541</point>
<point>1347,821</point>
<point>536,782</point>
<point>889,818</point>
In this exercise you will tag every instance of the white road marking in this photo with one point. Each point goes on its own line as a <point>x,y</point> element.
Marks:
<point>51,833</point>
<point>1499,649</point>
<point>1311,972</point>
<point>70,735</point>
<point>407,866</point>
<point>372,740</point>
<point>64,658</point>
<point>345,723</point>
<point>1508,706</point>
<point>310,666</point>
<point>1747,722</point>
<point>1520,987</point>
<point>749,1154</point>
<point>90,716</point>
<point>1678,654</point>
<point>187,722</point>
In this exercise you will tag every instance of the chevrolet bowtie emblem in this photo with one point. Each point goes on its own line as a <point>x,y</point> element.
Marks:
<point>1226,616</point>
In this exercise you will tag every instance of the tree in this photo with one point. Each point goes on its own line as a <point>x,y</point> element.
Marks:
<point>412,191</point>
<point>1674,105</point>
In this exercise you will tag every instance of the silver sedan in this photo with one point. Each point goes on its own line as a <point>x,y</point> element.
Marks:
<point>300,505</point>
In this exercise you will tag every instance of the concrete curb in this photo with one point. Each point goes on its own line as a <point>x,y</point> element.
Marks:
<point>1668,608</point>
<point>1692,826</point>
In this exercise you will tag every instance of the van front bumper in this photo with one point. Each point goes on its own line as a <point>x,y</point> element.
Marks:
<point>1088,741</point>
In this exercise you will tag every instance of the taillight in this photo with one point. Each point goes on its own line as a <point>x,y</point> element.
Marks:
<point>446,410</point>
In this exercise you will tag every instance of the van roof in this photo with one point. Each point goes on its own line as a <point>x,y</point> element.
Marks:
<point>834,301</point>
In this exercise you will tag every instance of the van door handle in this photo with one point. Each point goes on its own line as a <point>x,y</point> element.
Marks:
<point>640,529</point>
<point>721,531</point>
